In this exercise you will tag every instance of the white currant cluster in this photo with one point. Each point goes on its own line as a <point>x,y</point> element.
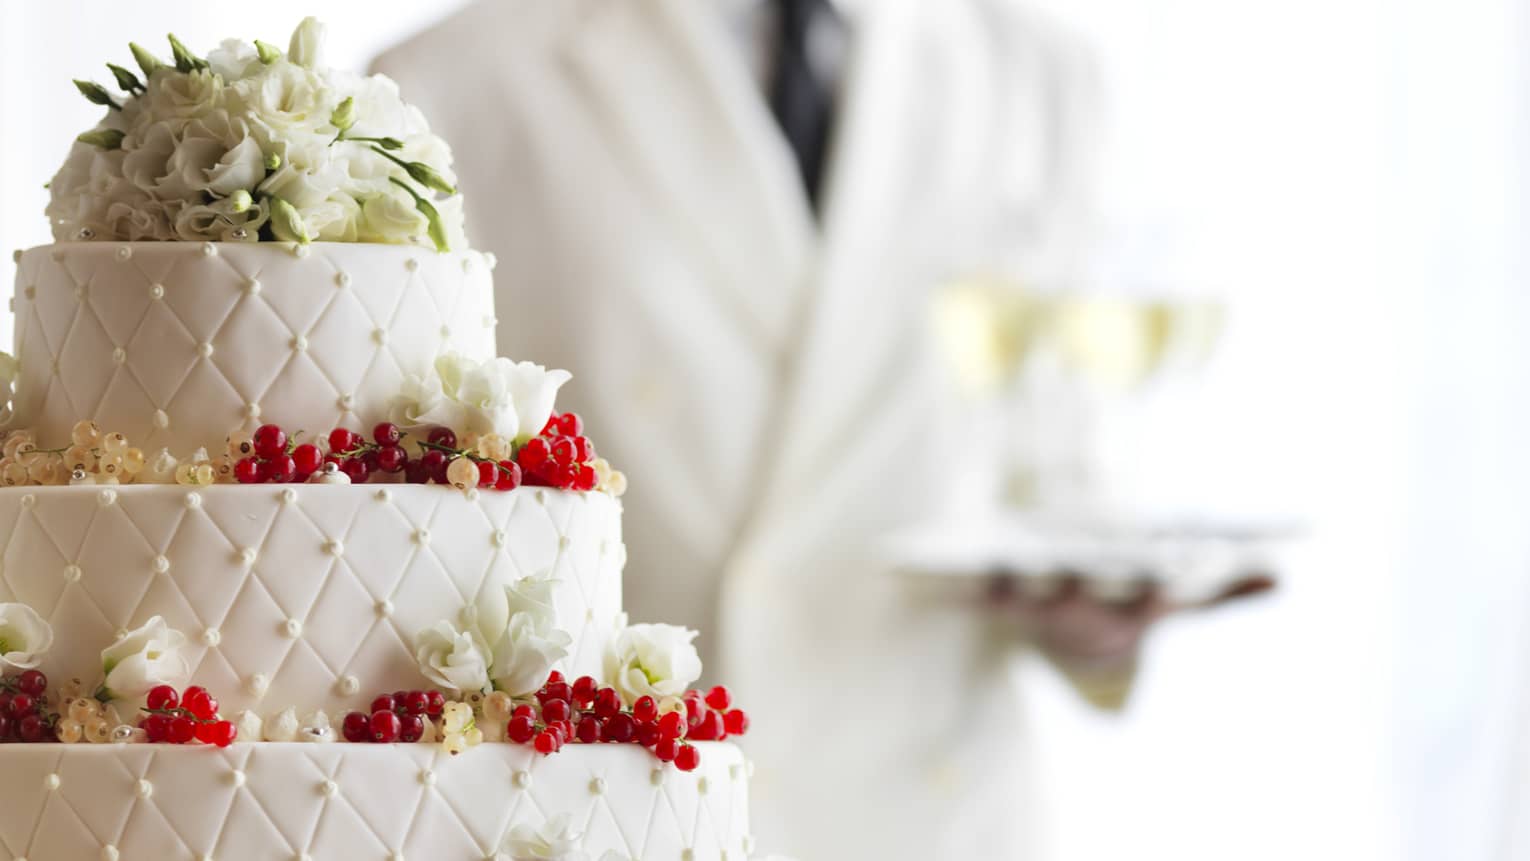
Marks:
<point>94,456</point>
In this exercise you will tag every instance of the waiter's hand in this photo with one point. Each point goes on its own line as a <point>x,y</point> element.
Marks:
<point>1094,641</point>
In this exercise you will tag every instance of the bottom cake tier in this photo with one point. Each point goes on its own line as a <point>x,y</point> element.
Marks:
<point>253,802</point>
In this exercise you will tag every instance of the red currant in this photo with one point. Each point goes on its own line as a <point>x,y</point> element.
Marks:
<point>415,702</point>
<point>488,473</point>
<point>559,690</point>
<point>342,440</point>
<point>687,758</point>
<point>555,710</point>
<point>570,424</point>
<point>525,710</point>
<point>356,469</point>
<point>567,475</point>
<point>719,698</point>
<point>645,709</point>
<point>710,729</point>
<point>307,459</point>
<point>546,742</point>
<point>181,730</point>
<point>384,703</point>
<point>385,727</point>
<point>213,732</point>
<point>247,470</point>
<point>521,729</point>
<point>619,728</point>
<point>356,727</point>
<point>584,450</point>
<point>200,703</point>
<point>588,730</point>
<point>369,457</point>
<point>666,749</point>
<point>586,480</point>
<point>162,697</point>
<point>551,428</point>
<point>436,703</point>
<point>270,441</point>
<point>607,702</point>
<point>279,469</point>
<point>672,725</point>
<point>443,437</point>
<point>555,677</point>
<point>508,476</point>
<point>694,709</point>
<point>533,454</point>
<point>648,734</point>
<point>392,458</point>
<point>387,434</point>
<point>32,729</point>
<point>416,473</point>
<point>433,462</point>
<point>155,727</point>
<point>20,705</point>
<point>563,450</point>
<point>412,728</point>
<point>736,722</point>
<point>584,690</point>
<point>32,682</point>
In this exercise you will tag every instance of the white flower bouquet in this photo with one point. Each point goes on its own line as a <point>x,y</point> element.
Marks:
<point>252,144</point>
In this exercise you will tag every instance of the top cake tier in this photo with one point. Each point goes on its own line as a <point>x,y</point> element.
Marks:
<point>178,343</point>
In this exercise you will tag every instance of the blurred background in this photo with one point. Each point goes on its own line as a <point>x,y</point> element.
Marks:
<point>1306,311</point>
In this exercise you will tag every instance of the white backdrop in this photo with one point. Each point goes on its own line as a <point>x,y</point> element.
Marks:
<point>1351,172</point>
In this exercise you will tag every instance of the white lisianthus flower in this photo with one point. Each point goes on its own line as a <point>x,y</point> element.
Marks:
<point>422,404</point>
<point>652,660</point>
<point>307,46</point>
<point>283,100</point>
<point>517,623</point>
<point>147,163</point>
<point>533,389</point>
<point>173,95</point>
<point>453,659</point>
<point>556,840</point>
<point>234,60</point>
<point>143,658</point>
<point>391,216</point>
<point>24,636</point>
<point>242,166</point>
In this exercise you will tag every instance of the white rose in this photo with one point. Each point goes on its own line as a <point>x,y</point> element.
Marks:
<point>534,389</point>
<point>283,99</point>
<point>147,160</point>
<point>234,60</point>
<point>336,219</point>
<point>141,218</point>
<point>652,660</point>
<point>530,596</point>
<point>143,658</point>
<point>380,112</point>
<point>421,404</point>
<point>390,216</point>
<point>556,840</point>
<point>526,654</point>
<point>485,395</point>
<point>24,636</point>
<point>242,166</point>
<point>173,95</point>
<point>452,658</point>
<point>307,46</point>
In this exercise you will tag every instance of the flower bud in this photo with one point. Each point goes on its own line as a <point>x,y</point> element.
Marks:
<point>94,93</point>
<point>103,138</point>
<point>307,43</point>
<point>424,175</point>
<point>240,201</point>
<point>267,52</point>
<point>286,223</point>
<point>126,80</point>
<point>185,61</point>
<point>344,115</point>
<point>273,161</point>
<point>146,61</point>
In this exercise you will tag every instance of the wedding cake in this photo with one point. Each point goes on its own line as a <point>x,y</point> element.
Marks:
<point>292,565</point>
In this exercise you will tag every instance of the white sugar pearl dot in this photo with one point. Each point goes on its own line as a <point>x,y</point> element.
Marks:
<point>396,856</point>
<point>252,410</point>
<point>380,336</point>
<point>656,777</point>
<point>346,401</point>
<point>687,855</point>
<point>247,557</point>
<point>335,548</point>
<point>205,349</point>
<point>471,495</point>
<point>299,251</point>
<point>598,786</point>
<point>161,564</point>
<point>209,249</point>
<point>735,771</point>
<point>161,418</point>
<point>109,853</point>
<point>258,684</point>
<point>491,260</point>
<point>384,608</point>
<point>428,777</point>
<point>236,777</point>
<point>328,788</point>
<point>212,637</point>
<point>31,292</point>
<point>119,633</point>
<point>145,789</point>
<point>589,615</point>
<point>107,498</point>
<point>384,495</point>
<point>52,782</point>
<point>522,779</point>
<point>422,536</point>
<point>193,500</point>
<point>349,685</point>
<point>289,496</point>
<point>292,628</point>
<point>299,344</point>
<point>702,786</point>
<point>499,538</point>
<point>119,356</point>
<point>252,286</point>
<point>411,264</point>
<point>541,497</point>
<point>342,279</point>
<point>79,294</point>
<point>124,253</point>
<point>28,501</point>
<point>72,573</point>
<point>562,542</point>
<point>157,291</point>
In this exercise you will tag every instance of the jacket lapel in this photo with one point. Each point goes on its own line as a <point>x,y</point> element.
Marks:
<point>676,96</point>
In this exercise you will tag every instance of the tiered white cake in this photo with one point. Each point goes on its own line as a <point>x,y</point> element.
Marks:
<point>300,596</point>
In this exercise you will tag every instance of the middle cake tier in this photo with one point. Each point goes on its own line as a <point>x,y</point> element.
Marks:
<point>307,596</point>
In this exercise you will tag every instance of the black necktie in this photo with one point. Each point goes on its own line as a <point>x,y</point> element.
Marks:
<point>803,104</point>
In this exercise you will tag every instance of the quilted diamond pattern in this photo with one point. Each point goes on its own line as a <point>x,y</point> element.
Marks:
<point>172,342</point>
<point>254,802</point>
<point>293,595</point>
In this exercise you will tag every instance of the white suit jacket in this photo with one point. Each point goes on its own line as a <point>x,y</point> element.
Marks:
<point>768,382</point>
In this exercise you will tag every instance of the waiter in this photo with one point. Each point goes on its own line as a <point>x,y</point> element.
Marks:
<point>727,217</point>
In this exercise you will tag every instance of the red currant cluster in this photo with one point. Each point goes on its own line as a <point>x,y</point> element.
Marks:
<point>24,714</point>
<point>399,716</point>
<point>442,462</point>
<point>585,713</point>
<point>269,457</point>
<point>360,458</point>
<point>560,456</point>
<point>183,717</point>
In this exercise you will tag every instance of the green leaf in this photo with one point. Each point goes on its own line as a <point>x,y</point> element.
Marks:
<point>435,228</point>
<point>95,93</point>
<point>126,80</point>
<point>268,52</point>
<point>146,61</point>
<point>185,61</point>
<point>103,138</point>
